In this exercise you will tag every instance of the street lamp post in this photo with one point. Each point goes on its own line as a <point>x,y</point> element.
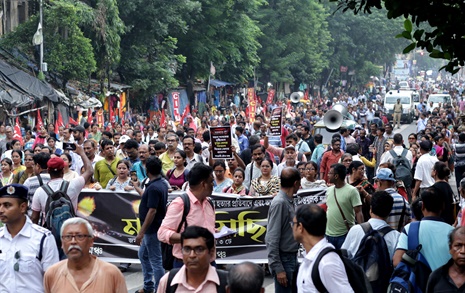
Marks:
<point>38,40</point>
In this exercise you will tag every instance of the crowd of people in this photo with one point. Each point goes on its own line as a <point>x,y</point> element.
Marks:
<point>372,174</point>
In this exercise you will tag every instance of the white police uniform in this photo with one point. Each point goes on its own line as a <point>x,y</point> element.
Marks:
<point>27,275</point>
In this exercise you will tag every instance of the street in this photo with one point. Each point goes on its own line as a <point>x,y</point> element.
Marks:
<point>133,276</point>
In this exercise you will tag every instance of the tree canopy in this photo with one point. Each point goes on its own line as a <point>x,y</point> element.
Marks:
<point>445,36</point>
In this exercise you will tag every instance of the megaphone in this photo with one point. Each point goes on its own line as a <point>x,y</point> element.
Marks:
<point>333,118</point>
<point>296,97</point>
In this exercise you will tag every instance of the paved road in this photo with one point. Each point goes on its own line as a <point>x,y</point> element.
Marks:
<point>134,278</point>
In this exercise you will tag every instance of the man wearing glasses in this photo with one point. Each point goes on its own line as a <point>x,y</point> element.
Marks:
<point>26,250</point>
<point>82,272</point>
<point>197,274</point>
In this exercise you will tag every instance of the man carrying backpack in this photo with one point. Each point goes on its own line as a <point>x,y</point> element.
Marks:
<point>401,158</point>
<point>65,195</point>
<point>373,243</point>
<point>308,227</point>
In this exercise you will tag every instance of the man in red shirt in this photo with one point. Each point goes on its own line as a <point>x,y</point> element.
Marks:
<point>330,157</point>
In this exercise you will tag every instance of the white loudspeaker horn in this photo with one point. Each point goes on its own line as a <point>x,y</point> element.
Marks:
<point>296,97</point>
<point>333,118</point>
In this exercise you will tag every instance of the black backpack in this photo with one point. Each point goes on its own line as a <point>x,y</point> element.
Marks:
<point>221,288</point>
<point>373,257</point>
<point>403,170</point>
<point>357,278</point>
<point>58,209</point>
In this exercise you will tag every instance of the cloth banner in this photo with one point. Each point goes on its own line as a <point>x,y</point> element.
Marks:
<point>178,101</point>
<point>270,97</point>
<point>252,104</point>
<point>114,218</point>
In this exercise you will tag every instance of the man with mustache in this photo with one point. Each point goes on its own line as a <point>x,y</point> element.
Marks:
<point>82,272</point>
<point>23,259</point>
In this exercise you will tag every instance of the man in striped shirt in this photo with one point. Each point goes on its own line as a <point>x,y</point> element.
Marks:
<point>400,213</point>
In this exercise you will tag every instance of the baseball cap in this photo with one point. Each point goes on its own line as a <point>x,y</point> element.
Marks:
<point>385,174</point>
<point>124,139</point>
<point>56,164</point>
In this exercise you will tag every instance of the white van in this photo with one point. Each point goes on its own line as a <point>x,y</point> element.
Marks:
<point>439,98</point>
<point>406,99</point>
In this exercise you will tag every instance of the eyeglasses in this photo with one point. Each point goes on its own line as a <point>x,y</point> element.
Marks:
<point>17,256</point>
<point>78,237</point>
<point>292,223</point>
<point>186,250</point>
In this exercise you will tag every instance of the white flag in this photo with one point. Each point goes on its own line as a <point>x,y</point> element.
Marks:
<point>38,38</point>
<point>212,69</point>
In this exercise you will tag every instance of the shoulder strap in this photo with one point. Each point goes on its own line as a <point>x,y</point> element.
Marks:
<point>223,276</point>
<point>112,181</point>
<point>41,248</point>
<point>47,189</point>
<point>404,153</point>
<point>187,207</point>
<point>316,272</point>
<point>41,182</point>
<point>366,227</point>
<point>169,288</point>
<point>402,215</point>
<point>393,154</point>
<point>109,168</point>
<point>227,188</point>
<point>210,201</point>
<point>340,209</point>
<point>170,173</point>
<point>383,231</point>
<point>64,186</point>
<point>414,235</point>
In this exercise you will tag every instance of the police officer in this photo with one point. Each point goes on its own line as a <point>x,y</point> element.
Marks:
<point>26,249</point>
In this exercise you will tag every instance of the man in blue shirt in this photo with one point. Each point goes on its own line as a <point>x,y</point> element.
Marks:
<point>241,138</point>
<point>152,210</point>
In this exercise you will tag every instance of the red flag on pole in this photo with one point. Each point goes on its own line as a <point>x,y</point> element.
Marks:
<point>72,121</point>
<point>39,123</point>
<point>89,116</point>
<point>187,110</point>
<point>17,135</point>
<point>163,118</point>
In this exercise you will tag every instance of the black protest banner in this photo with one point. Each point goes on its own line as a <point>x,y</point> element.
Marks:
<point>114,218</point>
<point>276,121</point>
<point>221,142</point>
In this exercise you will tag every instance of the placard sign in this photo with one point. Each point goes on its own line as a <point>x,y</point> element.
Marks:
<point>221,142</point>
<point>276,121</point>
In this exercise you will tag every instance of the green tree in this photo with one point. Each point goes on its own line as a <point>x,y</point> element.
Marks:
<point>148,58</point>
<point>222,33</point>
<point>444,39</point>
<point>361,38</point>
<point>66,50</point>
<point>294,42</point>
<point>104,27</point>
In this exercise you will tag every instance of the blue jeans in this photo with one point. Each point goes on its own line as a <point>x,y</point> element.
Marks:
<point>337,241</point>
<point>151,262</point>
<point>289,261</point>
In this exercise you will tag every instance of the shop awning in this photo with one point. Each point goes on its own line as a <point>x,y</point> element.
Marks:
<point>219,83</point>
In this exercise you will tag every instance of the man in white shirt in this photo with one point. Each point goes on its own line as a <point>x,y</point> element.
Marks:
<point>423,170</point>
<point>398,149</point>
<point>380,208</point>
<point>55,169</point>
<point>309,227</point>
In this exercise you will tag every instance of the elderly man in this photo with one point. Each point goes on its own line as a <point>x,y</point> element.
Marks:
<point>450,277</point>
<point>23,259</point>
<point>167,157</point>
<point>246,277</point>
<point>82,272</point>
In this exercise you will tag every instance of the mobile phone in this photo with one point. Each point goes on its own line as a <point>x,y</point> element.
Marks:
<point>69,146</point>
<point>133,175</point>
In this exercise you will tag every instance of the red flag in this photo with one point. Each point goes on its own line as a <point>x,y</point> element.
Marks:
<point>306,95</point>
<point>17,130</point>
<point>163,118</point>
<point>39,123</point>
<point>56,126</point>
<point>60,120</point>
<point>72,121</point>
<point>89,116</point>
<point>187,110</point>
